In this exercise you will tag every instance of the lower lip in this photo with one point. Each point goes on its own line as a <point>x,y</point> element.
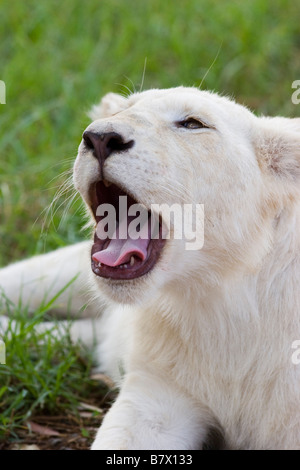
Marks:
<point>138,269</point>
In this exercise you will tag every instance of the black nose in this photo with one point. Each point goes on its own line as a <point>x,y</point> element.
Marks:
<point>103,145</point>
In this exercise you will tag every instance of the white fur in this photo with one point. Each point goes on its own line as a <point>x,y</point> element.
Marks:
<point>205,339</point>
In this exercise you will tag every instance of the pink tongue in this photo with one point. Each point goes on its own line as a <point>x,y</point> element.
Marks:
<point>120,251</point>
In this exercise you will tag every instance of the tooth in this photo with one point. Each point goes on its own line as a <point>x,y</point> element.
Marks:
<point>99,265</point>
<point>106,183</point>
<point>131,261</point>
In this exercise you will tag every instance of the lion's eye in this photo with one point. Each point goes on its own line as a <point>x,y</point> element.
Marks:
<point>192,123</point>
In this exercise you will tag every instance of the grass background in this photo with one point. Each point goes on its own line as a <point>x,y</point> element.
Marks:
<point>57,59</point>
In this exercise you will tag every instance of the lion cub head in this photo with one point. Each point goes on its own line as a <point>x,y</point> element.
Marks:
<point>213,166</point>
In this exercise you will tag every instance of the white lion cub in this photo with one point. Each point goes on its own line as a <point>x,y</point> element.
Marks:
<point>204,335</point>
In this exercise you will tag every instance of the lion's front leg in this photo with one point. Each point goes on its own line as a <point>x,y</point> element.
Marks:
<point>39,279</point>
<point>152,414</point>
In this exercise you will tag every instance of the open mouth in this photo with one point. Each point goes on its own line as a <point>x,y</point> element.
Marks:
<point>117,253</point>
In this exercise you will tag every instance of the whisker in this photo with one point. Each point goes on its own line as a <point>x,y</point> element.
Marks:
<point>133,85</point>
<point>129,92</point>
<point>61,204</point>
<point>143,76</point>
<point>49,212</point>
<point>211,66</point>
<point>60,175</point>
<point>62,188</point>
<point>74,198</point>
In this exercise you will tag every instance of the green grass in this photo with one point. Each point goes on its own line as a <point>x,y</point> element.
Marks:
<point>57,59</point>
<point>45,373</point>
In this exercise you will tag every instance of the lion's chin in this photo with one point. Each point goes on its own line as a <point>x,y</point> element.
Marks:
<point>137,292</point>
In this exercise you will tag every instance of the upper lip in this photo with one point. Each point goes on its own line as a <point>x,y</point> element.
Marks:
<point>107,192</point>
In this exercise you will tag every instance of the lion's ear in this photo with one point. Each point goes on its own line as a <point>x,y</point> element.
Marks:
<point>110,104</point>
<point>278,148</point>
